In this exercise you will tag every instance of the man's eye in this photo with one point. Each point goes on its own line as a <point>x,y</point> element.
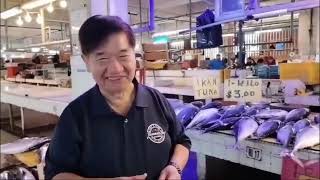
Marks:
<point>103,59</point>
<point>122,56</point>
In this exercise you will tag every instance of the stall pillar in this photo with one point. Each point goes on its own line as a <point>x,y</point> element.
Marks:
<point>308,33</point>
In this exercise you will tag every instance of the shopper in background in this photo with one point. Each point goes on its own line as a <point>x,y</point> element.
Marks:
<point>217,63</point>
<point>119,129</point>
<point>270,61</point>
<point>250,62</point>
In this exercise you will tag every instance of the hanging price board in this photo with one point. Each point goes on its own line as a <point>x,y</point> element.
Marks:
<point>206,87</point>
<point>248,90</point>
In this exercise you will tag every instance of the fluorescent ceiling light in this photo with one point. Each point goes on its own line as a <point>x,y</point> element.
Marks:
<point>270,30</point>
<point>227,35</point>
<point>27,17</point>
<point>20,49</point>
<point>10,13</point>
<point>168,33</point>
<point>35,50</point>
<point>50,8</point>
<point>63,3</point>
<point>19,21</point>
<point>35,3</point>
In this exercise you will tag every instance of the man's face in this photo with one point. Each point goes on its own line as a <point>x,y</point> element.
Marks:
<point>113,63</point>
<point>218,57</point>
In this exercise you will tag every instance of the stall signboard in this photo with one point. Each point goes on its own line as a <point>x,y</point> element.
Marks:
<point>206,87</point>
<point>244,90</point>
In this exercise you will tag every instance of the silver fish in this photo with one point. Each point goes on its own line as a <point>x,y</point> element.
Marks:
<point>299,125</point>
<point>285,135</point>
<point>203,116</point>
<point>214,104</point>
<point>232,111</point>
<point>198,104</point>
<point>307,137</point>
<point>244,128</point>
<point>272,113</point>
<point>186,113</point>
<point>251,111</point>
<point>297,114</point>
<point>222,124</point>
<point>267,128</point>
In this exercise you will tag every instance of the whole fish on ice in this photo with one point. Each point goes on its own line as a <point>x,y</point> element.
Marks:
<point>250,111</point>
<point>222,124</point>
<point>285,134</point>
<point>186,113</point>
<point>214,104</point>
<point>232,111</point>
<point>272,113</point>
<point>297,114</point>
<point>307,137</point>
<point>299,125</point>
<point>203,117</point>
<point>244,128</point>
<point>199,104</point>
<point>267,128</point>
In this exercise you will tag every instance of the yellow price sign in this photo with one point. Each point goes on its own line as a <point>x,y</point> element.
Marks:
<point>206,87</point>
<point>248,90</point>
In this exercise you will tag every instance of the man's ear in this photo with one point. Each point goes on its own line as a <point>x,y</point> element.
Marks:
<point>86,61</point>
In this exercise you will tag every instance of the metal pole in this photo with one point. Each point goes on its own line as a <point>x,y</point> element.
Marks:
<point>190,20</point>
<point>43,30</point>
<point>6,28</point>
<point>140,15</point>
<point>241,42</point>
<point>291,26</point>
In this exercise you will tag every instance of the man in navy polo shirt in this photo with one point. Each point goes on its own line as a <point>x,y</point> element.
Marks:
<point>119,129</point>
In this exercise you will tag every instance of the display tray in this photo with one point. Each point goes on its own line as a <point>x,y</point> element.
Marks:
<point>260,154</point>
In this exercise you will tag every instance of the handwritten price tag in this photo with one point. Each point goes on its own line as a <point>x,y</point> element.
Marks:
<point>248,90</point>
<point>206,87</point>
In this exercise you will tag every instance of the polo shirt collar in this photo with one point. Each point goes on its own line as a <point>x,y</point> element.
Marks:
<point>99,105</point>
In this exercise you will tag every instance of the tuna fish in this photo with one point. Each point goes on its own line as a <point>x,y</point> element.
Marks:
<point>232,111</point>
<point>251,111</point>
<point>214,104</point>
<point>272,113</point>
<point>244,128</point>
<point>297,114</point>
<point>299,125</point>
<point>186,114</point>
<point>260,105</point>
<point>175,103</point>
<point>307,137</point>
<point>222,124</point>
<point>267,128</point>
<point>199,104</point>
<point>285,134</point>
<point>203,117</point>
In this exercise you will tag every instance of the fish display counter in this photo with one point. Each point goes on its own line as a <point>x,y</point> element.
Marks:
<point>255,136</point>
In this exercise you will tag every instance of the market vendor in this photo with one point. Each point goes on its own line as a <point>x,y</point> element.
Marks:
<point>119,129</point>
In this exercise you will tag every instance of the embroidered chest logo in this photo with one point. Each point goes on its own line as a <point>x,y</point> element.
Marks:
<point>156,134</point>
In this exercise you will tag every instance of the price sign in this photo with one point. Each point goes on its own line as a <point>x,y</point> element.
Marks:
<point>206,87</point>
<point>248,90</point>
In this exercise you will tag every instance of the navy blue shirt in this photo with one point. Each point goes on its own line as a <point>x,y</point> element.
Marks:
<point>92,140</point>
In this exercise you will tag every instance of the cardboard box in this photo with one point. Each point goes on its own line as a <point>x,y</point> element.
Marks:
<point>154,47</point>
<point>156,55</point>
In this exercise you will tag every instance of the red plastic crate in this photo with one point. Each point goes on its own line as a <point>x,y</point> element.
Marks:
<point>292,171</point>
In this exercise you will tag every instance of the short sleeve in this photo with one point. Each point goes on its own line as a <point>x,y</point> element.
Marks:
<point>63,154</point>
<point>176,129</point>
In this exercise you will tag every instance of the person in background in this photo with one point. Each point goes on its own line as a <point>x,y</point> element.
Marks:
<point>217,63</point>
<point>270,61</point>
<point>250,62</point>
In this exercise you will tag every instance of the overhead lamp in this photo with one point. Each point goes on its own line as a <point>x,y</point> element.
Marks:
<point>227,35</point>
<point>35,4</point>
<point>39,19</point>
<point>36,49</point>
<point>27,17</point>
<point>268,31</point>
<point>168,33</point>
<point>50,8</point>
<point>10,13</point>
<point>19,21</point>
<point>63,3</point>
